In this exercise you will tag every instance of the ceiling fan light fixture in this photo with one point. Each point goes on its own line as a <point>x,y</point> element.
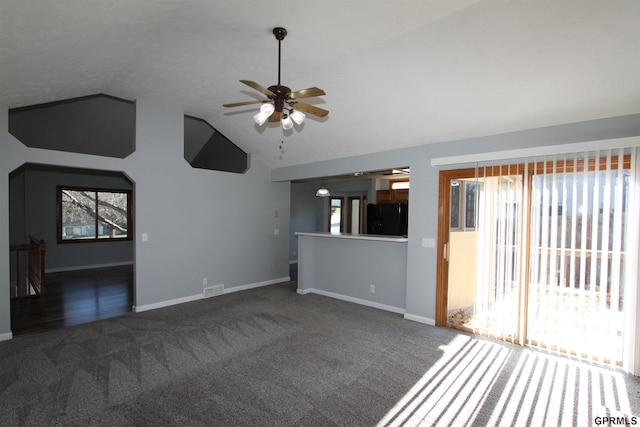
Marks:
<point>260,118</point>
<point>266,110</point>
<point>287,123</point>
<point>297,116</point>
<point>280,98</point>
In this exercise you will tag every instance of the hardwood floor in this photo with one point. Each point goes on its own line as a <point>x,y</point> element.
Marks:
<point>75,297</point>
<point>81,296</point>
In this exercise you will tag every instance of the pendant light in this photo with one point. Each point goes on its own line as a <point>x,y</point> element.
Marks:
<point>322,191</point>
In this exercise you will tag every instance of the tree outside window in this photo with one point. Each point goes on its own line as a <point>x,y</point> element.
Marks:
<point>86,214</point>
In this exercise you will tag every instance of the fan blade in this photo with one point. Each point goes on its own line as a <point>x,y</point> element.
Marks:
<point>275,117</point>
<point>257,87</point>
<point>238,104</point>
<point>306,93</point>
<point>310,109</point>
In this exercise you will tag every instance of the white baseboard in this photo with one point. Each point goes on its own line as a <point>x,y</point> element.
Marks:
<point>7,336</point>
<point>256,285</point>
<point>420,319</point>
<point>87,267</point>
<point>353,300</point>
<point>168,303</point>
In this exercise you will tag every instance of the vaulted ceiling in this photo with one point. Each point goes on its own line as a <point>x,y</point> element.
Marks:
<point>397,73</point>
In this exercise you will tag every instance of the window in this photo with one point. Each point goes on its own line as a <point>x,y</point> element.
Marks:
<point>400,185</point>
<point>464,199</point>
<point>90,215</point>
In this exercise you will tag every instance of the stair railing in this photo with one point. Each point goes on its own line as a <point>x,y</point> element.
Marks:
<point>27,279</point>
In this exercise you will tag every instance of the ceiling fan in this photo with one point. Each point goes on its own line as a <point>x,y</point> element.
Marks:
<point>282,104</point>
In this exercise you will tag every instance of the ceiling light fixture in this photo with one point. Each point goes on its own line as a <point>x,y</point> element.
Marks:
<point>265,111</point>
<point>297,116</point>
<point>322,191</point>
<point>287,123</point>
<point>282,104</point>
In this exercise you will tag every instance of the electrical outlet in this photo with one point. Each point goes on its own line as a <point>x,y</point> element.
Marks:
<point>372,289</point>
<point>205,281</point>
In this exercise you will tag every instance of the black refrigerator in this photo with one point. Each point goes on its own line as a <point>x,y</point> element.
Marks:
<point>389,219</point>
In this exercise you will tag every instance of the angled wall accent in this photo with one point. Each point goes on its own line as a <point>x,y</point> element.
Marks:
<point>206,148</point>
<point>100,124</point>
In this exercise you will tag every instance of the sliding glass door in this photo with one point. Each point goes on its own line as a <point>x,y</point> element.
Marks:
<point>577,255</point>
<point>484,245</point>
<point>536,252</point>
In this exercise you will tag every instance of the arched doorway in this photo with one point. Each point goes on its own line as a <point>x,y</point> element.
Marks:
<point>89,276</point>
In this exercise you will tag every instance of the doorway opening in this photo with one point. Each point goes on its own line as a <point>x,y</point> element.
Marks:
<point>347,213</point>
<point>85,279</point>
<point>336,209</point>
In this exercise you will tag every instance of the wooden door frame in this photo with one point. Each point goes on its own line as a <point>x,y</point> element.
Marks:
<point>568,165</point>
<point>350,200</point>
<point>442,253</point>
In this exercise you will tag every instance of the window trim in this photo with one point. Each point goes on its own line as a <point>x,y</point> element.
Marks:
<point>59,226</point>
<point>464,205</point>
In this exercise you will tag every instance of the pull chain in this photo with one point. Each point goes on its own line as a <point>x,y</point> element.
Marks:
<point>282,146</point>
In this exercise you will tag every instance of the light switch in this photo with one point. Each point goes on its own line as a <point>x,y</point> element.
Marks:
<point>145,237</point>
<point>428,242</point>
<point>276,231</point>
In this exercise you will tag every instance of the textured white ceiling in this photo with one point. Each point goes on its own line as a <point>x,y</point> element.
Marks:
<point>397,73</point>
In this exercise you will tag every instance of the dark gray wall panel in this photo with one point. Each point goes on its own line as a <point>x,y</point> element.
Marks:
<point>99,124</point>
<point>206,148</point>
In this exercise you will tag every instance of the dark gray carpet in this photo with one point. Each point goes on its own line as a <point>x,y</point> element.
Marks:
<point>270,357</point>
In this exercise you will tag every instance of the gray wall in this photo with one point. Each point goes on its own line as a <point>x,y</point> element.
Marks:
<point>200,223</point>
<point>33,207</point>
<point>346,268</point>
<point>423,209</point>
<point>304,213</point>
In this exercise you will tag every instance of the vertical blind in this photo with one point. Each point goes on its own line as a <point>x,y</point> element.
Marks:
<point>553,262</point>
<point>499,238</point>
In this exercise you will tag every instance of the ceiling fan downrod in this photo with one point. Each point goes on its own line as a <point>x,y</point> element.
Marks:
<point>280,34</point>
<point>281,92</point>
